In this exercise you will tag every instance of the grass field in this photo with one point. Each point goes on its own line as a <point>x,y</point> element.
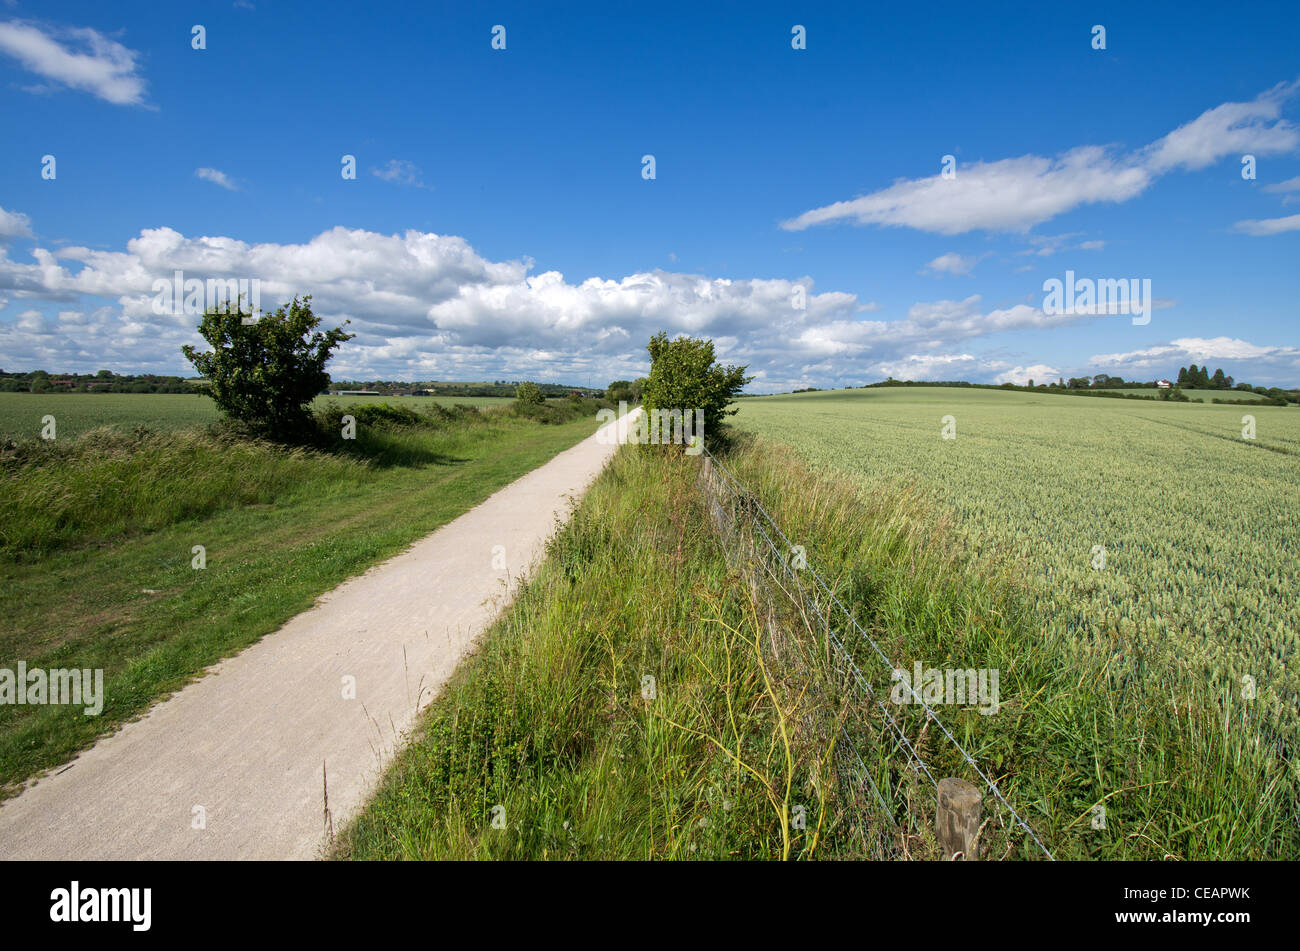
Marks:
<point>549,727</point>
<point>1154,544</point>
<point>97,535</point>
<point>76,413</point>
<point>1203,395</point>
<point>1197,523</point>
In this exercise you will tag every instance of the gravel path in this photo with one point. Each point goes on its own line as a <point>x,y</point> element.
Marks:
<point>237,764</point>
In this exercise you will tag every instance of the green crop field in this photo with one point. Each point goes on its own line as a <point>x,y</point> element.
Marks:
<point>1153,548</point>
<point>1197,524</point>
<point>75,413</point>
<point>1191,394</point>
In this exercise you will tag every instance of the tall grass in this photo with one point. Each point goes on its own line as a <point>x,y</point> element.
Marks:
<point>97,534</point>
<point>1178,765</point>
<point>735,754</point>
<point>622,707</point>
<point>112,481</point>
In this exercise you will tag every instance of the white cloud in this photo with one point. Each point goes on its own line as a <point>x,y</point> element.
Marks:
<point>1198,350</point>
<point>929,367</point>
<point>951,263</point>
<point>1232,128</point>
<point>1268,226</point>
<point>14,224</point>
<point>1022,375</point>
<point>429,306</point>
<point>1290,185</point>
<point>400,172</point>
<point>1016,193</point>
<point>85,60</point>
<point>217,177</point>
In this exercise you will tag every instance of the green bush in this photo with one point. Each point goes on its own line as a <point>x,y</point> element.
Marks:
<point>684,375</point>
<point>530,394</point>
<point>265,372</point>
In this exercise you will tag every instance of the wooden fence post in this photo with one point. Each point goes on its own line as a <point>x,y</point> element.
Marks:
<point>957,819</point>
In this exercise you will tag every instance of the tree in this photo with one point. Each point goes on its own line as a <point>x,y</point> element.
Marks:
<point>684,375</point>
<point>1218,381</point>
<point>619,390</point>
<point>1182,376</point>
<point>530,394</point>
<point>265,372</point>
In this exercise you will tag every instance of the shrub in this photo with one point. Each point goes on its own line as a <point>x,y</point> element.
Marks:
<point>684,375</point>
<point>264,373</point>
<point>530,394</point>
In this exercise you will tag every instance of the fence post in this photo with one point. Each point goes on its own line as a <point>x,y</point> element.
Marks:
<point>957,819</point>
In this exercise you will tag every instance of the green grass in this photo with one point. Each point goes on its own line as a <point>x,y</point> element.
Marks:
<point>548,725</point>
<point>1197,593</point>
<point>1192,394</point>
<point>98,532</point>
<point>547,721</point>
<point>76,413</point>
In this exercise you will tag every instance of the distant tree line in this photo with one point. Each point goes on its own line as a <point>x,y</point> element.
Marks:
<point>1198,378</point>
<point>504,388</point>
<point>627,391</point>
<point>1088,386</point>
<point>105,381</point>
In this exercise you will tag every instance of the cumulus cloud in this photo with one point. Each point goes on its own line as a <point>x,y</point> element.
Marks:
<point>951,263</point>
<point>920,366</point>
<point>14,224</point>
<point>429,306</point>
<point>1200,350</point>
<point>217,177</point>
<point>1268,226</point>
<point>1021,376</point>
<point>79,58</point>
<point>1015,194</point>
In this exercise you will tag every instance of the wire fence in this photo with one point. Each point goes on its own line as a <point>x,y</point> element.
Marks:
<point>867,747</point>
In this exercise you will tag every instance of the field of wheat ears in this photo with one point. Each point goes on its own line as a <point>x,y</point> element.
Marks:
<point>644,698</point>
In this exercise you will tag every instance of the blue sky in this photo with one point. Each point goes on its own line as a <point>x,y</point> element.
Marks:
<point>499,225</point>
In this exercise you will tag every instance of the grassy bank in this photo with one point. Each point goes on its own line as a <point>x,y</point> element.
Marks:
<point>617,710</point>
<point>78,413</point>
<point>547,727</point>
<point>98,536</point>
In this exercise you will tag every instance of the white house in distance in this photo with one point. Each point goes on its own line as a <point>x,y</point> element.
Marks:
<point>1163,384</point>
